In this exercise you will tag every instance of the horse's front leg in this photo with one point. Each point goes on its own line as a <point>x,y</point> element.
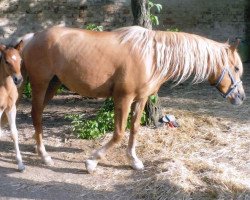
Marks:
<point>122,107</point>
<point>137,109</point>
<point>38,95</point>
<point>11,115</point>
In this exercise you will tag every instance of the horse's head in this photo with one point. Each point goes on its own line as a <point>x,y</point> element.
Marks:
<point>228,78</point>
<point>11,62</point>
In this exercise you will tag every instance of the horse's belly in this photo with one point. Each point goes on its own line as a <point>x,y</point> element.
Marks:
<point>88,86</point>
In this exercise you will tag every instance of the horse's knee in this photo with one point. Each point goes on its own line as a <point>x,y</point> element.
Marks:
<point>117,137</point>
<point>14,135</point>
<point>135,128</point>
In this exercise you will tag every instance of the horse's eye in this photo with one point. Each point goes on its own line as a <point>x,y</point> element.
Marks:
<point>236,69</point>
<point>7,62</point>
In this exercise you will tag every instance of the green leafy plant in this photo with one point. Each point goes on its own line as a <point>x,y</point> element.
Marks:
<point>151,5</point>
<point>97,126</point>
<point>102,123</point>
<point>61,89</point>
<point>94,27</point>
<point>27,90</point>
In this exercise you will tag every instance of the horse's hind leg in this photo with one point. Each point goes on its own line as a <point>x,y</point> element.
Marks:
<point>11,115</point>
<point>122,106</point>
<point>54,85</point>
<point>38,96</point>
<point>137,109</point>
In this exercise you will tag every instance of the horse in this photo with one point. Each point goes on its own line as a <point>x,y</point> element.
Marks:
<point>128,64</point>
<point>10,79</point>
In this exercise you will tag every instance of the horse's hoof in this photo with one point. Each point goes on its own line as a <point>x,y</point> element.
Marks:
<point>48,161</point>
<point>91,165</point>
<point>138,165</point>
<point>21,168</point>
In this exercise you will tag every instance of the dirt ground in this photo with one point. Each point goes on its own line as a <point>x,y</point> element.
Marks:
<point>208,157</point>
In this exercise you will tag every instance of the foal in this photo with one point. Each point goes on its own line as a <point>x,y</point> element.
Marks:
<point>10,77</point>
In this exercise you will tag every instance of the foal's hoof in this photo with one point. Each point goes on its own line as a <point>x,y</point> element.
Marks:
<point>138,165</point>
<point>48,161</point>
<point>91,165</point>
<point>21,168</point>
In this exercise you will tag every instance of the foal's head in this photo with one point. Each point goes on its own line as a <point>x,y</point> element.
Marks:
<point>228,77</point>
<point>11,62</point>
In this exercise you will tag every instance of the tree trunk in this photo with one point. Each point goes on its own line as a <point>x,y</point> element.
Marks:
<point>141,15</point>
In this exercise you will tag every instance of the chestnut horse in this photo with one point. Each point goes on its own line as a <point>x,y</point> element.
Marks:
<point>10,77</point>
<point>128,64</point>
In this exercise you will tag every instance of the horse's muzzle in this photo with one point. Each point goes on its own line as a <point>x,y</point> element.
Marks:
<point>237,98</point>
<point>17,80</point>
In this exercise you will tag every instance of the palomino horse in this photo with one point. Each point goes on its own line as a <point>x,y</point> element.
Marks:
<point>10,77</point>
<point>128,64</point>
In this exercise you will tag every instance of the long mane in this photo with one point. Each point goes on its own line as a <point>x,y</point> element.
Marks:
<point>176,55</point>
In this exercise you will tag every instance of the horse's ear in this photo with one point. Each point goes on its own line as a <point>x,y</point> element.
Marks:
<point>235,46</point>
<point>19,46</point>
<point>2,47</point>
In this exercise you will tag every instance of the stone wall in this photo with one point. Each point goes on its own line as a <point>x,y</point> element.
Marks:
<point>216,19</point>
<point>18,17</point>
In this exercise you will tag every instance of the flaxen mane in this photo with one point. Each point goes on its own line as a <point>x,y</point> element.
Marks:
<point>177,55</point>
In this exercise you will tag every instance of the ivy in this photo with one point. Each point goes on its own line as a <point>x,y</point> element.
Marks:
<point>154,19</point>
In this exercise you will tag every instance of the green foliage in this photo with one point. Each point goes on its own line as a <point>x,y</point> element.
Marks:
<point>153,99</point>
<point>174,29</point>
<point>61,89</point>
<point>151,5</point>
<point>94,27</point>
<point>27,90</point>
<point>144,119</point>
<point>96,127</point>
<point>102,123</point>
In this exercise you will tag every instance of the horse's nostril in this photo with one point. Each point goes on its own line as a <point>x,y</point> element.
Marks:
<point>243,97</point>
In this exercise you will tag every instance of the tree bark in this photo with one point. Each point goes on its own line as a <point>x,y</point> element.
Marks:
<point>141,13</point>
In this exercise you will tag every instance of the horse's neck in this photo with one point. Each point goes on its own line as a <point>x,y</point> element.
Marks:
<point>4,77</point>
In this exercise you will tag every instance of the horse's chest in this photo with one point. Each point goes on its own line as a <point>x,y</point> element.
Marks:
<point>7,98</point>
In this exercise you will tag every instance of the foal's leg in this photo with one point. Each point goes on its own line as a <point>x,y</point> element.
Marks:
<point>137,109</point>
<point>122,107</point>
<point>11,115</point>
<point>38,95</point>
